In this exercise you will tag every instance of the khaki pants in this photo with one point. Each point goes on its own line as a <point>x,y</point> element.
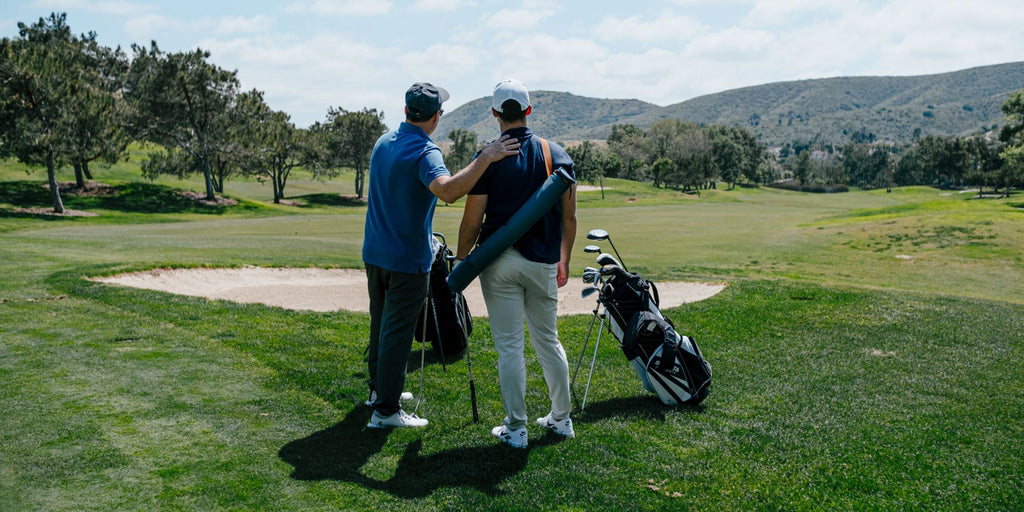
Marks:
<point>515,288</point>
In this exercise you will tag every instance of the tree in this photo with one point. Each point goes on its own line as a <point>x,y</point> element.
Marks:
<point>1012,135</point>
<point>348,139</point>
<point>661,169</point>
<point>630,144</point>
<point>463,148</point>
<point>802,167</point>
<point>99,132</point>
<point>51,87</point>
<point>589,163</point>
<point>273,146</point>
<point>178,100</point>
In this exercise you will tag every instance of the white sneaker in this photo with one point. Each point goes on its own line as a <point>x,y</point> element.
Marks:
<point>513,438</point>
<point>373,397</point>
<point>560,427</point>
<point>398,419</point>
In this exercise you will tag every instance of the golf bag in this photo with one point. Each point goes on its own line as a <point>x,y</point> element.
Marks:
<point>448,321</point>
<point>667,363</point>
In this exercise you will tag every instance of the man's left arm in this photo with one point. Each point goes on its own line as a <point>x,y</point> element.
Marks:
<point>568,201</point>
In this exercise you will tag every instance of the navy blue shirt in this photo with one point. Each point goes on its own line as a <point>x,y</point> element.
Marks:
<point>509,183</point>
<point>400,212</point>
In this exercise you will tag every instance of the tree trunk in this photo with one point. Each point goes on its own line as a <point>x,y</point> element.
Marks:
<point>85,170</point>
<point>360,178</point>
<point>51,175</point>
<point>79,175</point>
<point>211,195</point>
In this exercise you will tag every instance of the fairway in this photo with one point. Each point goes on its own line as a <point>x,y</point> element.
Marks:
<point>866,356</point>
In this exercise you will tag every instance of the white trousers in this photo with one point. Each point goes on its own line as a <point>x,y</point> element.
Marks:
<point>515,288</point>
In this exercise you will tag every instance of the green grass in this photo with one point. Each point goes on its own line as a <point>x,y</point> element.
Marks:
<point>866,357</point>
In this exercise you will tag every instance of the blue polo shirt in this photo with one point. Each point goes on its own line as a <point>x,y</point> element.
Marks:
<point>400,206</point>
<point>509,183</point>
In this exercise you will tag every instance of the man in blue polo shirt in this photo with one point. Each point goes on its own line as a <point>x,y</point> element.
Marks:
<point>523,281</point>
<point>407,175</point>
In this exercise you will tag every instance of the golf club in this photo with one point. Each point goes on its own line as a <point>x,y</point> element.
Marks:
<point>587,292</point>
<point>591,249</point>
<point>606,259</point>
<point>601,235</point>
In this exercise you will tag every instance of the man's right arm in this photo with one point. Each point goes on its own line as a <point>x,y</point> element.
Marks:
<point>450,188</point>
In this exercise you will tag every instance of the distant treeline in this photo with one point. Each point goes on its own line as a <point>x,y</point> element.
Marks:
<point>687,156</point>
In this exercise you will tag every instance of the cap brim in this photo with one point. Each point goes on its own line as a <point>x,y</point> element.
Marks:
<point>442,94</point>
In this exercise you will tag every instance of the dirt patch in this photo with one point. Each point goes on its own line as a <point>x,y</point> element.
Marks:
<point>201,198</point>
<point>325,290</point>
<point>49,211</point>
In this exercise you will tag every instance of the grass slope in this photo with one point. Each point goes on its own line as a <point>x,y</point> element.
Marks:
<point>845,377</point>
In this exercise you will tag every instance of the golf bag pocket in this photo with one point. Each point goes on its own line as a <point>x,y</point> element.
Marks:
<point>667,363</point>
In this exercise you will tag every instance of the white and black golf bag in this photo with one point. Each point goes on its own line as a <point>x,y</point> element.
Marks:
<point>667,363</point>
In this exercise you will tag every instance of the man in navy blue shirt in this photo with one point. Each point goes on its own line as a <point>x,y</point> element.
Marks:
<point>523,281</point>
<point>407,175</point>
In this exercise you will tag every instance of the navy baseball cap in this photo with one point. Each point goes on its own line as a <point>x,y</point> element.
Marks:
<point>423,99</point>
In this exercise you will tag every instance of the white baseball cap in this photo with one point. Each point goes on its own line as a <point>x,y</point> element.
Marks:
<point>510,89</point>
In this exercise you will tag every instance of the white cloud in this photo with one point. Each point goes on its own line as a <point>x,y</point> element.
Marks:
<point>120,8</point>
<point>667,27</point>
<point>342,7</point>
<point>242,24</point>
<point>525,16</point>
<point>736,45</point>
<point>440,5</point>
<point>778,12</point>
<point>305,76</point>
<point>557,63</point>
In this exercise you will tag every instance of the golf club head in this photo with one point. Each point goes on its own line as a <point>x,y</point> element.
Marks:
<point>605,259</point>
<point>597,234</point>
<point>613,271</point>
<point>607,291</point>
<point>591,249</point>
<point>590,276</point>
<point>587,292</point>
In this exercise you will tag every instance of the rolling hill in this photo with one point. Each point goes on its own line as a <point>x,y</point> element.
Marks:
<point>829,110</point>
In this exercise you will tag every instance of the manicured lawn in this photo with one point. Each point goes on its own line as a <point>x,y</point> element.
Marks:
<point>866,355</point>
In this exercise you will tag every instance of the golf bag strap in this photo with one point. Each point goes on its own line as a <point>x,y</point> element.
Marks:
<point>654,293</point>
<point>546,147</point>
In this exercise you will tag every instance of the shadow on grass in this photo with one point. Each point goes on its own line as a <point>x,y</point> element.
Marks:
<point>338,453</point>
<point>312,200</point>
<point>641,406</point>
<point>127,197</point>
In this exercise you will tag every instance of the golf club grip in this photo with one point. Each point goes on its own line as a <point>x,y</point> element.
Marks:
<point>472,398</point>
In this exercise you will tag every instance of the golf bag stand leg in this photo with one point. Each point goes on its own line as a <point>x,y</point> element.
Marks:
<point>584,349</point>
<point>597,343</point>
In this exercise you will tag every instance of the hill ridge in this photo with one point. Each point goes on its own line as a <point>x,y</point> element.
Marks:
<point>829,110</point>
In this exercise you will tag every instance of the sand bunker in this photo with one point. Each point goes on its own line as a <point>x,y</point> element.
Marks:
<point>323,290</point>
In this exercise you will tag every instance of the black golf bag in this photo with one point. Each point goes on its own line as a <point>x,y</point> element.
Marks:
<point>448,321</point>
<point>667,363</point>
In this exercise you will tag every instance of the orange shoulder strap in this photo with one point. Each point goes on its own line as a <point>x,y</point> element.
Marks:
<point>547,154</point>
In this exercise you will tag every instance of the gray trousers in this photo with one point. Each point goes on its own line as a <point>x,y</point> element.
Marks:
<point>396,299</point>
<point>515,288</point>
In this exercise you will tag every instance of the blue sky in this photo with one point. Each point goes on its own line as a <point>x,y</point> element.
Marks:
<point>308,55</point>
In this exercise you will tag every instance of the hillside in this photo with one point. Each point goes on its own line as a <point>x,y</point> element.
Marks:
<point>829,109</point>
